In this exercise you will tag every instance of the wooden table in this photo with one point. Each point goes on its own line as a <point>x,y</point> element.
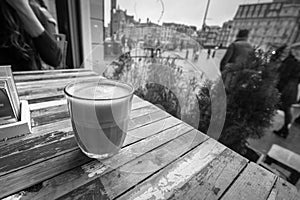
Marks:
<point>162,158</point>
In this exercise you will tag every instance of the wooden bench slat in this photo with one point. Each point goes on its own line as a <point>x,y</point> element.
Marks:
<point>80,175</point>
<point>254,183</point>
<point>285,156</point>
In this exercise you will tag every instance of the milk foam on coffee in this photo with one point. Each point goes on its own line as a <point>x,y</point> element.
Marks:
<point>99,115</point>
<point>93,91</point>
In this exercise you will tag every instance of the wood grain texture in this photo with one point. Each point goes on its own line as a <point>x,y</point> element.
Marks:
<point>37,152</point>
<point>61,112</point>
<point>169,180</point>
<point>213,180</point>
<point>29,176</point>
<point>37,98</point>
<point>283,190</point>
<point>46,105</point>
<point>64,183</point>
<point>38,142</point>
<point>64,125</point>
<point>31,87</point>
<point>136,103</point>
<point>121,179</point>
<point>34,154</point>
<point>39,72</point>
<point>48,76</point>
<point>254,183</point>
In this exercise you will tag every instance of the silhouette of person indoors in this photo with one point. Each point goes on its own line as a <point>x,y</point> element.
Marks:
<point>25,38</point>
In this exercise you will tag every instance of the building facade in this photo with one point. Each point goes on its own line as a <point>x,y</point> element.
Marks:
<point>181,28</point>
<point>120,21</point>
<point>271,24</point>
<point>209,36</point>
<point>223,35</point>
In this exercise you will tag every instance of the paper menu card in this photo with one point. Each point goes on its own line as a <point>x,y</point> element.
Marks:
<point>8,94</point>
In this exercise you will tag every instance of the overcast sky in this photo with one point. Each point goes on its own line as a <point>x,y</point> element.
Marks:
<point>189,12</point>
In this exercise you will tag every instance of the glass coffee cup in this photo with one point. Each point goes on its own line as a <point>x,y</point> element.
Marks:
<point>99,111</point>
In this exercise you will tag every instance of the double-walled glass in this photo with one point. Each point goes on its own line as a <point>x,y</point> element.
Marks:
<point>99,111</point>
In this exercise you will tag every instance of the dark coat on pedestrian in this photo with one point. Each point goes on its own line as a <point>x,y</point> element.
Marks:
<point>237,52</point>
<point>289,76</point>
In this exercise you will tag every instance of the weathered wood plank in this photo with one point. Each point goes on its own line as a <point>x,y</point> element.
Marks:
<point>46,105</point>
<point>29,176</point>
<point>29,143</point>
<point>35,91</point>
<point>166,182</point>
<point>213,179</point>
<point>283,190</point>
<point>137,120</point>
<point>254,183</point>
<point>37,98</point>
<point>64,125</point>
<point>49,104</point>
<point>53,107</point>
<point>64,183</point>
<point>31,153</point>
<point>48,76</point>
<point>61,126</point>
<point>39,86</point>
<point>128,175</point>
<point>54,114</point>
<point>36,151</point>
<point>38,72</point>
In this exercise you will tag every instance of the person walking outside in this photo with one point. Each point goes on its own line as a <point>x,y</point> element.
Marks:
<point>215,51</point>
<point>238,51</point>
<point>208,53</point>
<point>289,76</point>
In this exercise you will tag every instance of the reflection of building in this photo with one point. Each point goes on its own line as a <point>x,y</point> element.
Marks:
<point>209,36</point>
<point>181,28</point>
<point>120,20</point>
<point>223,35</point>
<point>270,24</point>
<point>149,32</point>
